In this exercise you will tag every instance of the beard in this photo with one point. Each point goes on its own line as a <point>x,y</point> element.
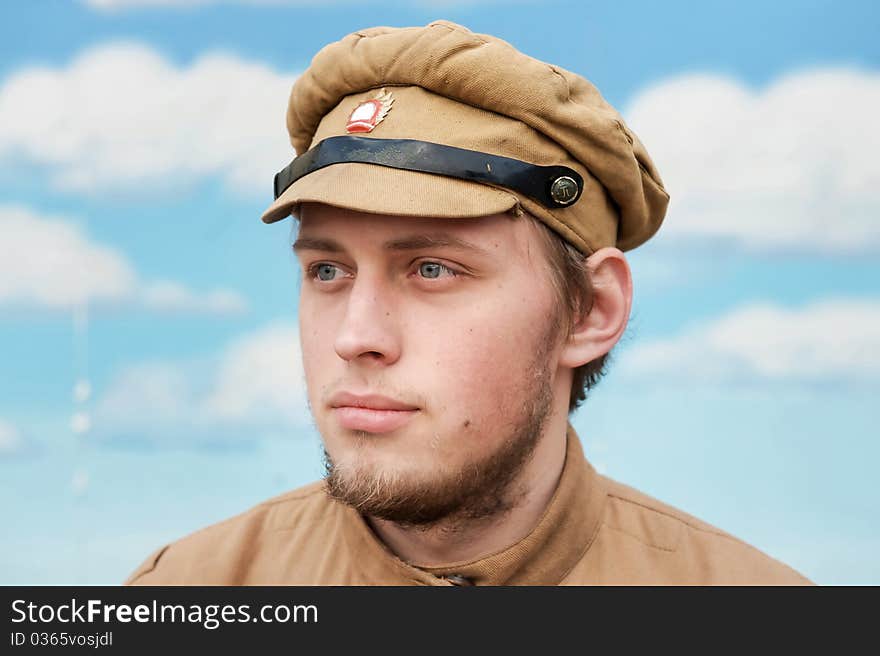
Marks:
<point>479,490</point>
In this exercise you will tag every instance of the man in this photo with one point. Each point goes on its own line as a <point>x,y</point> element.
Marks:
<point>462,213</point>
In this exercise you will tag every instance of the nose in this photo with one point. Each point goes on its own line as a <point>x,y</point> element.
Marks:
<point>368,332</point>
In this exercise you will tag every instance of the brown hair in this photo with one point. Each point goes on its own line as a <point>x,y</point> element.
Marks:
<point>571,281</point>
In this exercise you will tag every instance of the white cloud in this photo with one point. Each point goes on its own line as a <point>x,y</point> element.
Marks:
<point>110,5</point>
<point>122,118</point>
<point>790,167</point>
<point>260,375</point>
<point>254,387</point>
<point>51,262</point>
<point>11,442</point>
<point>154,394</point>
<point>119,5</point>
<point>170,296</point>
<point>834,339</point>
<point>113,5</point>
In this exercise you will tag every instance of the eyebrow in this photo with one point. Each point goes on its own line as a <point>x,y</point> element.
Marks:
<point>314,244</point>
<point>409,243</point>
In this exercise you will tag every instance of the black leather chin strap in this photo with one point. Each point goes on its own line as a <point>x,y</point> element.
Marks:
<point>551,186</point>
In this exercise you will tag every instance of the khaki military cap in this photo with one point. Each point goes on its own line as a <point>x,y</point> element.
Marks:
<point>438,121</point>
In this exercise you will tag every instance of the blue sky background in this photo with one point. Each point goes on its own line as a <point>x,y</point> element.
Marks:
<point>135,160</point>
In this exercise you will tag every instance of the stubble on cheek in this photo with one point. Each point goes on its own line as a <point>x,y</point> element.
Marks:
<point>476,465</point>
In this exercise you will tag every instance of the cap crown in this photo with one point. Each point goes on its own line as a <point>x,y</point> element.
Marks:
<point>476,91</point>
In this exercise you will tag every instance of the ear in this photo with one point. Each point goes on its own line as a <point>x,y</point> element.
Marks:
<point>601,326</point>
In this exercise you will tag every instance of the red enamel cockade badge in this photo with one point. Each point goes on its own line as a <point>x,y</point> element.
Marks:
<point>369,113</point>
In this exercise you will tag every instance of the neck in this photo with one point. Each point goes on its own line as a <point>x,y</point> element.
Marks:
<point>455,540</point>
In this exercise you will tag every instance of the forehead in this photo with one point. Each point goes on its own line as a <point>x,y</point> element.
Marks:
<point>501,233</point>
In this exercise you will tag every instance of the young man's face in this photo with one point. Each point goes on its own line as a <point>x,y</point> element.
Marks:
<point>430,352</point>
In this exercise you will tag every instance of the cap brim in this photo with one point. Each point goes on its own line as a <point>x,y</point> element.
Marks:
<point>383,190</point>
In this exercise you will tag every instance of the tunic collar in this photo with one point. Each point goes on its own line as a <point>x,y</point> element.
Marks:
<point>543,557</point>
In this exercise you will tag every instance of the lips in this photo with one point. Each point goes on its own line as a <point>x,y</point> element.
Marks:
<point>371,413</point>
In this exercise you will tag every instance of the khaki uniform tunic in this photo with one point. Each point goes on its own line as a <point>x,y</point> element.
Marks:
<point>594,531</point>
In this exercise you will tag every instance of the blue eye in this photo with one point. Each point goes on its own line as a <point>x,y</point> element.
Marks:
<point>434,270</point>
<point>325,272</point>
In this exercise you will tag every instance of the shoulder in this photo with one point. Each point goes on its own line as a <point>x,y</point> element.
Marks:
<point>220,554</point>
<point>657,543</point>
